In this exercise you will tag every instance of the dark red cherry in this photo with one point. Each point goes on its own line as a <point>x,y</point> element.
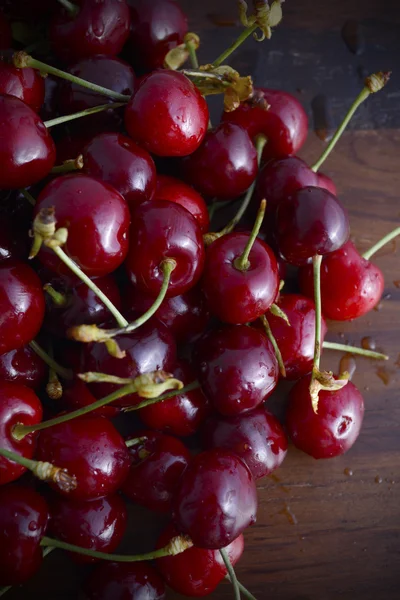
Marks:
<point>167,115</point>
<point>97,28</point>
<point>216,500</point>
<point>181,415</point>
<point>5,32</point>
<point>23,522</point>
<point>151,347</point>
<point>350,285</point>
<point>237,368</point>
<point>18,405</point>
<point>97,218</point>
<point>159,460</point>
<point>225,165</point>
<point>311,221</point>
<point>97,525</point>
<point>333,429</point>
<point>23,366</point>
<point>27,151</point>
<point>71,144</point>
<point>91,449</point>
<point>49,105</point>
<point>156,28</point>
<point>197,571</point>
<point>326,182</point>
<point>256,437</point>
<point>234,295</point>
<point>124,581</point>
<point>174,190</point>
<point>14,239</point>
<point>25,84</point>
<point>114,158</point>
<point>21,305</point>
<point>76,394</point>
<point>277,115</point>
<point>160,230</point>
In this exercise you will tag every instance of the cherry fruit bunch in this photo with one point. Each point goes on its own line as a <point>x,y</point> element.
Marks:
<point>117,295</point>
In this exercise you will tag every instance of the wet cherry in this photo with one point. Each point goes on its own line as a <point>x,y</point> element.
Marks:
<point>25,84</point>
<point>174,190</point>
<point>123,581</point>
<point>23,366</point>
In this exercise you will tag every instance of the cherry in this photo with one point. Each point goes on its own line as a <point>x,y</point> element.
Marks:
<point>25,84</point>
<point>167,115</point>
<point>18,404</point>
<point>256,437</point>
<point>225,165</point>
<point>237,368</point>
<point>311,221</point>
<point>197,571</point>
<point>156,28</point>
<point>95,28</point>
<point>21,305</point>
<point>49,105</point>
<point>119,581</point>
<point>159,460</point>
<point>333,429</point>
<point>76,394</point>
<point>350,285</point>
<point>181,415</point>
<point>23,366</point>
<point>5,32</point>
<point>174,190</point>
<point>326,182</point>
<point>160,230</point>
<point>98,525</point>
<point>277,115</point>
<point>89,448</point>
<point>27,152</point>
<point>97,218</point>
<point>23,522</point>
<point>216,500</point>
<point>114,158</point>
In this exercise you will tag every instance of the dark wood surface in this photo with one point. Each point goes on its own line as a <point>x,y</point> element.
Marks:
<point>325,529</point>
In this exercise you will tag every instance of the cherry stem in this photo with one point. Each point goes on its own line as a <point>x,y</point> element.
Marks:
<point>242,262</point>
<point>82,113</point>
<point>191,48</point>
<point>187,388</point>
<point>244,590</point>
<point>232,574</point>
<point>274,343</point>
<point>385,240</point>
<point>58,298</point>
<point>135,441</point>
<point>50,362</point>
<point>354,350</point>
<point>28,196</point>
<point>238,42</point>
<point>68,166</point>
<point>71,8</point>
<point>317,259</point>
<point>5,589</point>
<point>177,545</point>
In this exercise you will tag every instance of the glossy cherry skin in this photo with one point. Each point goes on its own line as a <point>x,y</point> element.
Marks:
<point>216,500</point>
<point>97,218</point>
<point>333,429</point>
<point>116,159</point>
<point>284,123</point>
<point>311,221</point>
<point>351,286</point>
<point>236,367</point>
<point>23,522</point>
<point>76,394</point>
<point>97,525</point>
<point>326,182</point>
<point>27,152</point>
<point>25,84</point>
<point>98,28</point>
<point>256,437</point>
<point>156,28</point>
<point>160,460</point>
<point>175,190</point>
<point>5,33</point>
<point>167,115</point>
<point>239,296</point>
<point>23,366</point>
<point>181,415</point>
<point>18,404</point>
<point>91,449</point>
<point>225,165</point>
<point>149,348</point>
<point>160,230</point>
<point>124,581</point>
<point>21,305</point>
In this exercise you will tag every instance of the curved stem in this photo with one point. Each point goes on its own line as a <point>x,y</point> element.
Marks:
<point>238,42</point>
<point>317,259</point>
<point>274,343</point>
<point>244,590</point>
<point>50,362</point>
<point>71,8</point>
<point>354,350</point>
<point>82,113</point>
<point>187,388</point>
<point>385,240</point>
<point>242,263</point>
<point>232,574</point>
<point>28,196</point>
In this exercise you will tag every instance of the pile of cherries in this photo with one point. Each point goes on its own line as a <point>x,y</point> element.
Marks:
<point>117,295</point>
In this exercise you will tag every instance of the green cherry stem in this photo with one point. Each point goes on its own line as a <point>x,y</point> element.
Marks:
<point>188,388</point>
<point>238,42</point>
<point>232,574</point>
<point>57,298</point>
<point>71,8</point>
<point>50,362</point>
<point>28,196</point>
<point>270,336</point>
<point>191,48</point>
<point>354,350</point>
<point>69,166</point>
<point>242,262</point>
<point>385,240</point>
<point>135,441</point>
<point>246,593</point>
<point>82,113</point>
<point>317,259</point>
